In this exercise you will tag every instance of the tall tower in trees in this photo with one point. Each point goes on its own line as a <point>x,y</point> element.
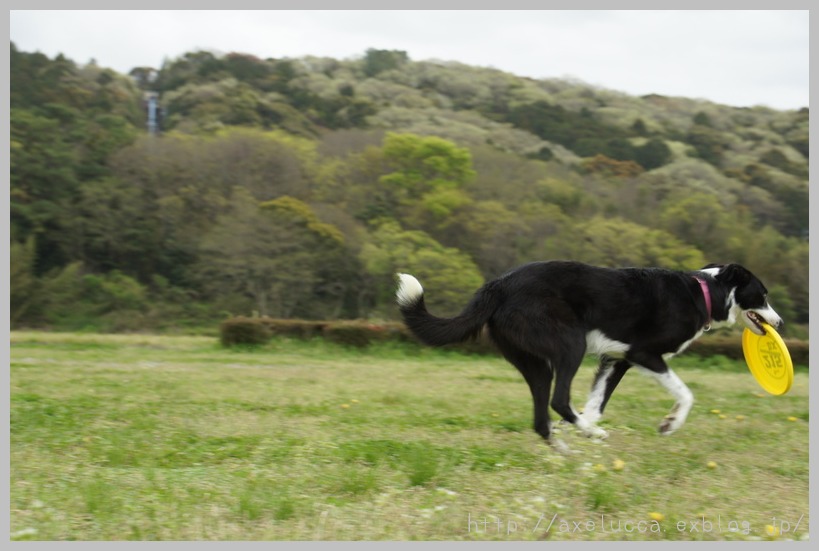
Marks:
<point>152,107</point>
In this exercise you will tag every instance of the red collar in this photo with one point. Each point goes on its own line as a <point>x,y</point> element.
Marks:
<point>707,295</point>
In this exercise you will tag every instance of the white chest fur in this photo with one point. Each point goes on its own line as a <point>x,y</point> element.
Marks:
<point>597,343</point>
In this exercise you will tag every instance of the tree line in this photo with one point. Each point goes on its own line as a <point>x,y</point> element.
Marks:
<point>297,188</point>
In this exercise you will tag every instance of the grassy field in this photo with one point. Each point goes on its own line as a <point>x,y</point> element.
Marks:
<point>175,438</point>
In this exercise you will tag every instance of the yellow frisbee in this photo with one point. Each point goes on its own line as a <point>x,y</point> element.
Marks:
<point>768,359</point>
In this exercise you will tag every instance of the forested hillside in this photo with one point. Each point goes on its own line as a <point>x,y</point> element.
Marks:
<point>298,187</point>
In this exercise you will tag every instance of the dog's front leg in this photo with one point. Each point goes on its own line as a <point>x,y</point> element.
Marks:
<point>685,399</point>
<point>609,373</point>
<point>656,367</point>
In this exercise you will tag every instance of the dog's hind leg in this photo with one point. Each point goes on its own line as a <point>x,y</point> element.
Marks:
<point>657,368</point>
<point>538,375</point>
<point>609,373</point>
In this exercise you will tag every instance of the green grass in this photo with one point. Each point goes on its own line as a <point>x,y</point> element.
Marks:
<point>118,437</point>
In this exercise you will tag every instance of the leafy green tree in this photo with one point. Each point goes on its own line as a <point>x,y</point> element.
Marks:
<point>65,123</point>
<point>790,192</point>
<point>700,219</point>
<point>207,105</point>
<point>606,166</point>
<point>26,72</point>
<point>247,68</point>
<point>559,192</point>
<point>701,118</point>
<point>422,164</point>
<point>495,236</point>
<point>24,296</point>
<point>450,274</point>
<point>797,132</point>
<point>619,243</point>
<point>270,253</point>
<point>549,234</point>
<point>43,180</point>
<point>37,82</point>
<point>114,291</point>
<point>336,270</point>
<point>72,298</point>
<point>63,302</point>
<point>426,184</point>
<point>299,213</point>
<point>639,127</point>
<point>112,225</point>
<point>653,154</point>
<point>169,192</point>
<point>378,61</point>
<point>442,203</point>
<point>102,136</point>
<point>582,131</point>
<point>709,144</point>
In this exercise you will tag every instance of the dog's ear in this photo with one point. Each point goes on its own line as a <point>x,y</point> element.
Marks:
<point>734,275</point>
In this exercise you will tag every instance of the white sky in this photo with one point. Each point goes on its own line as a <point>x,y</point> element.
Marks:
<point>740,58</point>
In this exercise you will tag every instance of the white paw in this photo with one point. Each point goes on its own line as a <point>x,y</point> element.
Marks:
<point>669,425</point>
<point>590,415</point>
<point>559,446</point>
<point>596,432</point>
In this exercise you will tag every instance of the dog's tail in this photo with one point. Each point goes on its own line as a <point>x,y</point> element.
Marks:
<point>436,331</point>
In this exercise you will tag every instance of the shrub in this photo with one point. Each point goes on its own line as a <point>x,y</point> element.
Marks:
<point>359,333</point>
<point>362,333</point>
<point>244,330</point>
<point>293,328</point>
<point>350,333</point>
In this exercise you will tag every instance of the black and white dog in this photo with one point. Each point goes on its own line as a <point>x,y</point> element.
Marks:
<point>545,316</point>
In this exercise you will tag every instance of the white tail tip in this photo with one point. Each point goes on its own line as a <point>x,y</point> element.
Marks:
<point>409,290</point>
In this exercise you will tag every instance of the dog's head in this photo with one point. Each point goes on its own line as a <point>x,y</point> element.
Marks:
<point>747,297</point>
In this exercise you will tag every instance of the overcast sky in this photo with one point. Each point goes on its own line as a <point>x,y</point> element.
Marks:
<point>739,58</point>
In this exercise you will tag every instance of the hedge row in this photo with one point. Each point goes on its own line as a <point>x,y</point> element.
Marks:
<point>244,330</point>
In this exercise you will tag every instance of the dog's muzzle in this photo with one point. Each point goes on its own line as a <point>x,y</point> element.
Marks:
<point>755,318</point>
